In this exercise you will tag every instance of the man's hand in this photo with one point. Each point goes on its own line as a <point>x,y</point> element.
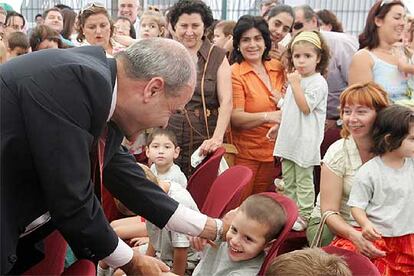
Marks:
<point>144,265</point>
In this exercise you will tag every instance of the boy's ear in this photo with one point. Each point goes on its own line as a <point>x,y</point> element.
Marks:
<point>387,138</point>
<point>162,31</point>
<point>268,245</point>
<point>176,152</point>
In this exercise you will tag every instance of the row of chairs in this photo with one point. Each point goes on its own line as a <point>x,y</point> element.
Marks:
<point>215,196</point>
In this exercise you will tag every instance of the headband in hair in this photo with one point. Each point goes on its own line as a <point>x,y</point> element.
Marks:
<point>310,37</point>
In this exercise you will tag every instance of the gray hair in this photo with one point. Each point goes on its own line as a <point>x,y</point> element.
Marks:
<point>308,12</point>
<point>160,57</point>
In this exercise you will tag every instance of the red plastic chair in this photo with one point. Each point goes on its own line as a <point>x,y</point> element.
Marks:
<point>295,240</point>
<point>358,264</point>
<point>54,261</point>
<point>81,267</point>
<point>200,182</point>
<point>291,211</point>
<point>225,193</point>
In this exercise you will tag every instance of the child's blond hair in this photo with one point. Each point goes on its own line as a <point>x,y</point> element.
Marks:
<point>157,17</point>
<point>309,261</point>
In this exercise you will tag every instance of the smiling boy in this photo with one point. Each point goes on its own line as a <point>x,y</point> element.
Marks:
<point>255,227</point>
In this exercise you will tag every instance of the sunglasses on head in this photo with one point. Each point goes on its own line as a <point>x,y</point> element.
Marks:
<point>386,2</point>
<point>92,5</point>
<point>153,8</point>
<point>298,26</point>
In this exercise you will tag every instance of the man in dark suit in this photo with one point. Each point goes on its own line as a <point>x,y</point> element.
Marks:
<point>55,104</point>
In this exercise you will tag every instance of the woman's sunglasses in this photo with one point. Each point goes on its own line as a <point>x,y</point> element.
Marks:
<point>298,26</point>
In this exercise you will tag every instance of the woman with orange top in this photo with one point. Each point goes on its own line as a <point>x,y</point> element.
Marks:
<point>256,80</point>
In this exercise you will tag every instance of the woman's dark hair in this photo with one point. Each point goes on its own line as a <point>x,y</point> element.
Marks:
<point>280,9</point>
<point>84,14</point>
<point>69,18</point>
<point>132,32</point>
<point>190,7</point>
<point>323,54</point>
<point>42,33</point>
<point>391,127</point>
<point>369,37</point>
<point>245,23</point>
<point>329,18</point>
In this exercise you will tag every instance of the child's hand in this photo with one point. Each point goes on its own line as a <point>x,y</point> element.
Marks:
<point>198,243</point>
<point>272,133</point>
<point>294,78</point>
<point>134,242</point>
<point>370,233</point>
<point>277,51</point>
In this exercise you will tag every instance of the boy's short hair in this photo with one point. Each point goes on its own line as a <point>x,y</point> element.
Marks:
<point>265,210</point>
<point>391,127</point>
<point>17,39</point>
<point>227,26</point>
<point>159,132</point>
<point>46,12</point>
<point>308,261</point>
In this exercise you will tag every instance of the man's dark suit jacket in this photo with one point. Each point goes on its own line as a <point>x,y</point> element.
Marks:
<point>54,106</point>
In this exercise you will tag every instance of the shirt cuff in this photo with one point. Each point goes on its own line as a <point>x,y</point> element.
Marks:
<point>187,221</point>
<point>121,255</point>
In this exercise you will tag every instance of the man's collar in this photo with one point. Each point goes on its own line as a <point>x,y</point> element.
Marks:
<point>113,102</point>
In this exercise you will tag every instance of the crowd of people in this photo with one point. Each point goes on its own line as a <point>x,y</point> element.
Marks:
<point>326,116</point>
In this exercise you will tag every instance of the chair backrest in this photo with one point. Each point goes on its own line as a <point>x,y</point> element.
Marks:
<point>226,190</point>
<point>291,211</point>
<point>358,263</point>
<point>200,182</point>
<point>54,261</point>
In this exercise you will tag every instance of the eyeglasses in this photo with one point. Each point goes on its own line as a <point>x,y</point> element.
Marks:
<point>298,26</point>
<point>92,5</point>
